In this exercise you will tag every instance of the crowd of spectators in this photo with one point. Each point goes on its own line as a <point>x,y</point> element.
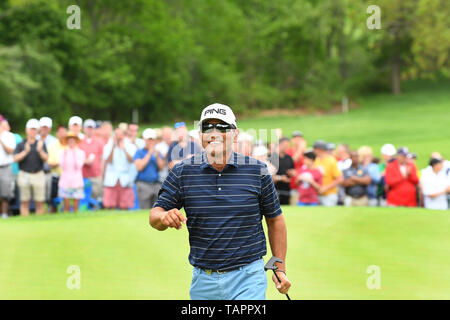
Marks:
<point>91,163</point>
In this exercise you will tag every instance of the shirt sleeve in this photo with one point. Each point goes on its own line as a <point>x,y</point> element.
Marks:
<point>170,195</point>
<point>9,140</point>
<point>269,203</point>
<point>19,148</point>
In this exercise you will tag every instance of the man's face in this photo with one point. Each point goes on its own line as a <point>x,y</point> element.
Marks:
<point>75,128</point>
<point>119,134</point>
<point>150,143</point>
<point>61,133</point>
<point>89,131</point>
<point>284,145</point>
<point>401,158</point>
<point>31,133</point>
<point>44,131</point>
<point>133,131</point>
<point>217,143</point>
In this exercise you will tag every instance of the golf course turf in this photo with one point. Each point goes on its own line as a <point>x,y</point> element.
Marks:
<point>329,252</point>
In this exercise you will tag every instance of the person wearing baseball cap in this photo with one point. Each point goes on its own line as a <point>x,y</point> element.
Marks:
<point>148,162</point>
<point>75,125</point>
<point>183,147</point>
<point>401,179</point>
<point>93,148</point>
<point>45,127</point>
<point>331,175</point>
<point>225,195</point>
<point>31,155</point>
<point>435,185</point>
<point>7,146</point>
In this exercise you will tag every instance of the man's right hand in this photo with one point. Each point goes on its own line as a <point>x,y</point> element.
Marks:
<point>173,219</point>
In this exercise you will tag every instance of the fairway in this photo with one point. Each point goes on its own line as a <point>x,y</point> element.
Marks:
<point>329,251</point>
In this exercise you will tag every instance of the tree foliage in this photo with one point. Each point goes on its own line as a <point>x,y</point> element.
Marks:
<point>168,59</point>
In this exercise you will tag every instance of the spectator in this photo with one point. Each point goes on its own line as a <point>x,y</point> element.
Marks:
<point>244,144</point>
<point>297,149</point>
<point>260,153</point>
<point>356,180</point>
<point>7,146</point>
<point>366,159</point>
<point>309,181</point>
<point>296,153</point>
<point>435,186</point>
<point>45,127</point>
<point>331,148</point>
<point>388,152</point>
<point>31,155</point>
<point>4,124</point>
<point>118,154</point>
<point>132,136</point>
<point>106,130</point>
<point>54,153</point>
<point>343,162</point>
<point>92,169</point>
<point>75,125</point>
<point>401,180</point>
<point>343,156</point>
<point>148,162</point>
<point>163,147</point>
<point>282,179</point>
<point>71,162</point>
<point>182,147</point>
<point>331,175</point>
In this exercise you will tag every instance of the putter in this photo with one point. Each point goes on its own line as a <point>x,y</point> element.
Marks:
<point>270,265</point>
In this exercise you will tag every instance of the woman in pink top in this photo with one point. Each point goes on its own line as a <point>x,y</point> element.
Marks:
<point>71,162</point>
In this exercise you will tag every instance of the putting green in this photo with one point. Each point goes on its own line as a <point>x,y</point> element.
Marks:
<point>329,252</point>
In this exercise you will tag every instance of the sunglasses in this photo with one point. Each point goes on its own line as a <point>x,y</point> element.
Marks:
<point>221,127</point>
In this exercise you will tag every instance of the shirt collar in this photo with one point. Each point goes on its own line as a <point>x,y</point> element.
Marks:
<point>232,161</point>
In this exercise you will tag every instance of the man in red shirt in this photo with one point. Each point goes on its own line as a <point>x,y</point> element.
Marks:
<point>309,181</point>
<point>296,153</point>
<point>401,180</point>
<point>93,147</point>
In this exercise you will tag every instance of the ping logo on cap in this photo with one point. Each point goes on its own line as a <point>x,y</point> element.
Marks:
<point>213,110</point>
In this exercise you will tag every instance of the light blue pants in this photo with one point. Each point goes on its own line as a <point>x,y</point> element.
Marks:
<point>246,283</point>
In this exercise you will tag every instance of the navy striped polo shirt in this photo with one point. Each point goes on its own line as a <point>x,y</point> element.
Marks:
<point>224,209</point>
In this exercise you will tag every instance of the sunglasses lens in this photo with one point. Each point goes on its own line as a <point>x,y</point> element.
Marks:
<point>222,127</point>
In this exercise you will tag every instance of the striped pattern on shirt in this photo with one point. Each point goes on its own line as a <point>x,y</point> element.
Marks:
<point>224,209</point>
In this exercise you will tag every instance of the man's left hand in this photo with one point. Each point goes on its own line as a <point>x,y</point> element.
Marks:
<point>284,285</point>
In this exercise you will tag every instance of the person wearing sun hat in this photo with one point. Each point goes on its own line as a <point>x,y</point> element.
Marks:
<point>71,162</point>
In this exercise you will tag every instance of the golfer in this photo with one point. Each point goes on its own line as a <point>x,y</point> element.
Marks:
<point>225,196</point>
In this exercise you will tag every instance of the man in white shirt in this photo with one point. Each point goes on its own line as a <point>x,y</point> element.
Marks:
<point>120,172</point>
<point>435,185</point>
<point>7,146</point>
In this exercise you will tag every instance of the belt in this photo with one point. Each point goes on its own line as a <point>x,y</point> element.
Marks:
<point>219,271</point>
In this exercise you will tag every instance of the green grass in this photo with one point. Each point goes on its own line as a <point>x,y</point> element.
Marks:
<point>329,250</point>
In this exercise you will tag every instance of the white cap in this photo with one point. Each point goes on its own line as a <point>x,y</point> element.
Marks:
<point>260,151</point>
<point>194,134</point>
<point>218,111</point>
<point>149,134</point>
<point>45,122</point>
<point>75,120</point>
<point>89,123</point>
<point>244,136</point>
<point>388,149</point>
<point>32,124</point>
